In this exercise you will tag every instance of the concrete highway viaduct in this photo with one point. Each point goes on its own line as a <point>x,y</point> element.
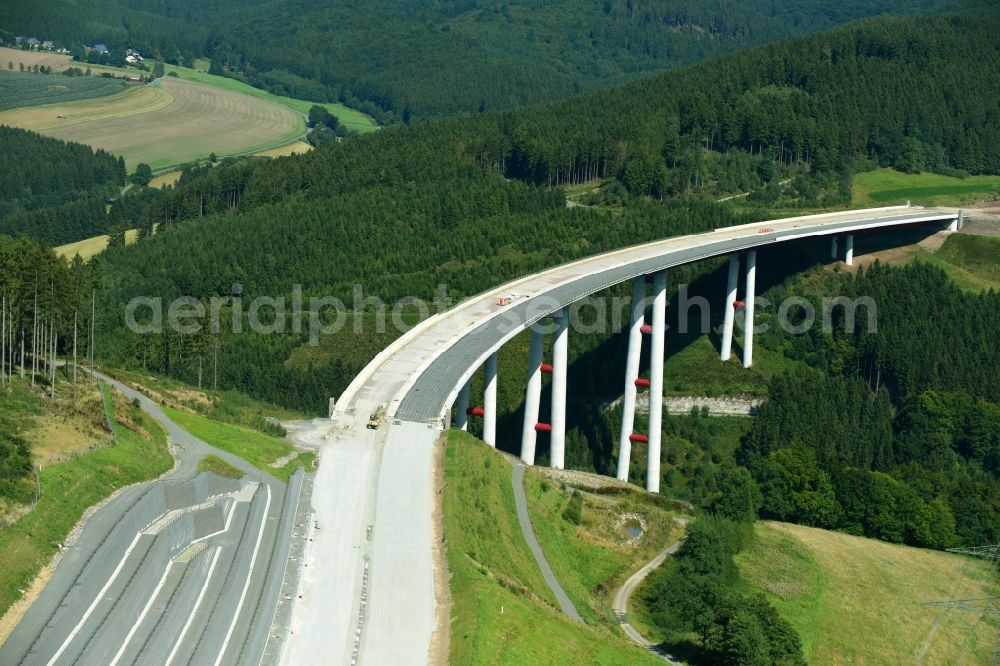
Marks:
<point>367,595</point>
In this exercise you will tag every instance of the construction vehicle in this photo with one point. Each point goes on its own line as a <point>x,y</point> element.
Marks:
<point>375,420</point>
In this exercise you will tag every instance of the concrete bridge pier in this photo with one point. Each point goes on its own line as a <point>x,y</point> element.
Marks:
<point>533,396</point>
<point>751,285</point>
<point>631,375</point>
<point>833,247</point>
<point>490,401</point>
<point>958,222</point>
<point>658,335</point>
<point>730,312</point>
<point>849,255</point>
<point>560,352</point>
<point>462,406</point>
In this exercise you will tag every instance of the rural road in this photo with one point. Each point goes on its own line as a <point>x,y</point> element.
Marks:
<point>183,569</point>
<point>521,501</point>
<point>620,605</point>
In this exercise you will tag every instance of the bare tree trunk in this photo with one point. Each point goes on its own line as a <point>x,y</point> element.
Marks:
<point>93,315</point>
<point>22,351</point>
<point>52,364</point>
<point>75,314</point>
<point>42,351</point>
<point>201,361</point>
<point>34,341</point>
<point>3,345</point>
<point>215,366</point>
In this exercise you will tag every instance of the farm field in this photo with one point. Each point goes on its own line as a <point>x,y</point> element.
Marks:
<point>884,187</point>
<point>297,148</point>
<point>353,119</point>
<point>169,123</point>
<point>90,247</point>
<point>164,179</point>
<point>27,90</point>
<point>31,58</point>
<point>133,101</point>
<point>860,601</point>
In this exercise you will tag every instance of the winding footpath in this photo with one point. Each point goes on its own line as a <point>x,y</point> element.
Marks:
<point>620,605</point>
<point>521,502</point>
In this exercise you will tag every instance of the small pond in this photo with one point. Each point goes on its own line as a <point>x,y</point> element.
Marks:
<point>633,529</point>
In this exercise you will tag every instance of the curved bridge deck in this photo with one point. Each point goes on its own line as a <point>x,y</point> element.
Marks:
<point>420,375</point>
<point>368,593</point>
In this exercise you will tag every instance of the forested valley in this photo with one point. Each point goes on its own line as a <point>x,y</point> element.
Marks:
<point>468,202</point>
<point>401,60</point>
<point>471,202</point>
<point>892,433</point>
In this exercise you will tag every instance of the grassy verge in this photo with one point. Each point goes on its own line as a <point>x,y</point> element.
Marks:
<point>591,558</point>
<point>969,260</point>
<point>229,406</point>
<point>68,488</point>
<point>502,611</point>
<point>856,600</point>
<point>975,256</point>
<point>220,467</point>
<point>886,187</point>
<point>255,447</point>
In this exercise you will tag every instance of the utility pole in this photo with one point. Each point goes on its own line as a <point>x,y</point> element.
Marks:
<point>981,606</point>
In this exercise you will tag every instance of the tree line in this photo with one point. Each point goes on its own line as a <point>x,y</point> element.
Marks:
<point>810,111</point>
<point>695,593</point>
<point>468,201</point>
<point>54,191</point>
<point>462,57</point>
<point>47,308</point>
<point>897,435</point>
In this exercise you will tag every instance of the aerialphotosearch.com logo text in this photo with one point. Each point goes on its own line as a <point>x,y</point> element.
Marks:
<point>320,316</point>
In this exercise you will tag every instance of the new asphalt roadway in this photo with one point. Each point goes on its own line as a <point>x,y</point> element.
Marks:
<point>182,570</point>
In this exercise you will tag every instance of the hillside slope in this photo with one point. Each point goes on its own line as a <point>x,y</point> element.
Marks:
<point>502,611</point>
<point>466,203</point>
<point>401,58</point>
<point>855,600</point>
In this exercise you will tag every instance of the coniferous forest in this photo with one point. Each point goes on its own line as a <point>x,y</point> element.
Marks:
<point>398,60</point>
<point>891,433</point>
<point>470,202</point>
<point>54,191</point>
